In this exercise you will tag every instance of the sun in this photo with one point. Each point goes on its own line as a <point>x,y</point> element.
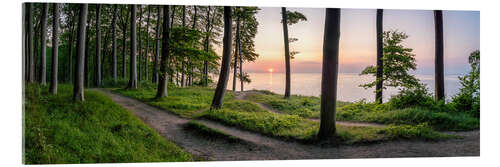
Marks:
<point>270,70</point>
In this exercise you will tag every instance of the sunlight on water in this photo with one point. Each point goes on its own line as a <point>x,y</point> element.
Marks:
<point>309,84</point>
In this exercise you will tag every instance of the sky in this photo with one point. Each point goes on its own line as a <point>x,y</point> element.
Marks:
<point>358,39</point>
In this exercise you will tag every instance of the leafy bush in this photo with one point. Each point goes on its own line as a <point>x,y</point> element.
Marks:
<point>468,99</point>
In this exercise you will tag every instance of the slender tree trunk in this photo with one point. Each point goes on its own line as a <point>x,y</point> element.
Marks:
<point>25,45</point>
<point>70,49</point>
<point>78,90</point>
<point>287,53</point>
<point>235,66</point>
<point>439,63</point>
<point>183,56</point>
<point>146,62</point>
<point>330,73</point>
<point>113,23</point>
<point>86,68</point>
<point>157,54</point>
<point>31,55</point>
<point>220,90</point>
<point>195,19</point>
<point>132,84</point>
<point>55,48</point>
<point>139,59</point>
<point>97,64</point>
<point>207,48</point>
<point>43,70</point>
<point>380,55</point>
<point>165,54</point>
<point>240,56</point>
<point>124,53</point>
<point>37,57</point>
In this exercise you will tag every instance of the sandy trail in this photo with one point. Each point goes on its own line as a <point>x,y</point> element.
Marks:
<point>259,147</point>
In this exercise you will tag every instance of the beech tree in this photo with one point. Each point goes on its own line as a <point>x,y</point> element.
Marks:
<point>157,52</point>
<point>220,90</point>
<point>329,74</point>
<point>380,55</point>
<point>43,58</point>
<point>165,55</point>
<point>132,83</point>
<point>97,60</point>
<point>55,48</point>
<point>439,54</point>
<point>289,18</point>
<point>31,52</point>
<point>78,92</point>
<point>114,61</point>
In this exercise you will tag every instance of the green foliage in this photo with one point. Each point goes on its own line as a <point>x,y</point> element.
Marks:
<point>294,17</point>
<point>398,60</point>
<point>57,130</point>
<point>468,99</point>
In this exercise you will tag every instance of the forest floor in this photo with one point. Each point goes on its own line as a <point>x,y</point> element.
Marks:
<point>254,146</point>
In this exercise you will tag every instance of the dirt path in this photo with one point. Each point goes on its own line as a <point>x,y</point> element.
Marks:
<point>260,147</point>
<point>242,96</point>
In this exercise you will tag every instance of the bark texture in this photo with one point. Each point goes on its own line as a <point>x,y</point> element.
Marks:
<point>329,73</point>
<point>380,55</point>
<point>220,90</point>
<point>165,54</point>
<point>55,48</point>
<point>287,53</point>
<point>132,83</point>
<point>439,62</point>
<point>78,93</point>
<point>43,58</point>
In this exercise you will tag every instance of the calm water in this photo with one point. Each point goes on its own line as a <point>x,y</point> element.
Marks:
<point>309,84</point>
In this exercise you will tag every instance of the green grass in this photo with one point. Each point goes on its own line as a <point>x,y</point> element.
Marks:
<point>58,130</point>
<point>182,101</point>
<point>292,127</point>
<point>304,106</point>
<point>309,107</point>
<point>209,133</point>
<point>369,112</point>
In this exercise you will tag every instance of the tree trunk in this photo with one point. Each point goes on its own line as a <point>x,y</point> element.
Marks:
<point>157,54</point>
<point>287,53</point>
<point>380,55</point>
<point>220,90</point>
<point>132,84</point>
<point>78,90</point>
<point>31,53</point>
<point>207,48</point>
<point>70,49</point>
<point>43,58</point>
<point>183,56</point>
<point>165,54</point>
<point>113,23</point>
<point>25,46</point>
<point>195,19</point>
<point>139,59</point>
<point>97,64</point>
<point>86,68</point>
<point>55,48</point>
<point>439,64</point>
<point>239,54</point>
<point>330,73</point>
<point>146,62</point>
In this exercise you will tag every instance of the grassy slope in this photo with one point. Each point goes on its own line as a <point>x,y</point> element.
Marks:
<point>309,107</point>
<point>96,131</point>
<point>182,101</point>
<point>250,116</point>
